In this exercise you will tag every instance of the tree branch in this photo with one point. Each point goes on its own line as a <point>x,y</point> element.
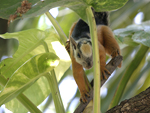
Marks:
<point>138,104</point>
<point>111,66</point>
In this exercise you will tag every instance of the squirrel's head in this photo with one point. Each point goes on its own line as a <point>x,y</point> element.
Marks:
<point>82,51</point>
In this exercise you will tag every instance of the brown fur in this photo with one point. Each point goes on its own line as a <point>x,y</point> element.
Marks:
<point>78,73</point>
<point>107,40</point>
<point>107,44</point>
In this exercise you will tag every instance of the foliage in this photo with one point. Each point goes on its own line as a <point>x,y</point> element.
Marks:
<point>40,7</point>
<point>135,34</point>
<point>36,45</point>
<point>31,43</point>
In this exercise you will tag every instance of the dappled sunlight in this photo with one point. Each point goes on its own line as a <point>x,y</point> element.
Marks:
<point>142,81</point>
<point>53,63</point>
<point>104,92</point>
<point>139,18</point>
<point>133,54</point>
<point>148,56</point>
<point>60,51</point>
<point>44,22</point>
<point>65,60</point>
<point>68,90</point>
<point>54,12</point>
<point>5,109</point>
<point>4,57</point>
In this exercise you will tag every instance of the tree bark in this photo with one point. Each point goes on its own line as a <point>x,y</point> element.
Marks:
<point>138,104</point>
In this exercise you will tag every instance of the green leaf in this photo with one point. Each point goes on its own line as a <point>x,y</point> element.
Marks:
<point>30,45</point>
<point>27,74</point>
<point>134,34</point>
<point>39,7</point>
<point>28,40</point>
<point>142,37</point>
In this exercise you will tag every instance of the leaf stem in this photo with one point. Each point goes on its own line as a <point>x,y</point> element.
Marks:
<point>22,99</point>
<point>96,61</point>
<point>62,35</point>
<point>129,71</point>
<point>51,77</point>
<point>28,104</point>
<point>45,46</point>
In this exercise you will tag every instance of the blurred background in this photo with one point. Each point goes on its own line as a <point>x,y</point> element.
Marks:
<point>134,12</point>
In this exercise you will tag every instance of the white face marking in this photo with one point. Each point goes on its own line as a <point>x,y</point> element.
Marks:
<point>86,50</point>
<point>82,51</point>
<point>83,54</point>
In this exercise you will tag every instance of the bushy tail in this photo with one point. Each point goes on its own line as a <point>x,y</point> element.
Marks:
<point>101,18</point>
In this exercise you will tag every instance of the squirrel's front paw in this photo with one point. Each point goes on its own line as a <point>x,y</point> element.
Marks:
<point>103,70</point>
<point>84,94</point>
<point>114,54</point>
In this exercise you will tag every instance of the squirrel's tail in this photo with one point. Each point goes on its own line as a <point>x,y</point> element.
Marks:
<point>101,18</point>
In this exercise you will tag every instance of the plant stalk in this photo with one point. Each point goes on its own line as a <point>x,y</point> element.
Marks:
<point>51,77</point>
<point>96,60</point>
<point>128,73</point>
<point>62,35</point>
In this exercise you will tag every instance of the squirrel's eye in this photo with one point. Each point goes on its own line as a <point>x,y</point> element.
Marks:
<point>78,55</point>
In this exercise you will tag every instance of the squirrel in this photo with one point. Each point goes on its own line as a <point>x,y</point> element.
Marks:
<point>80,49</point>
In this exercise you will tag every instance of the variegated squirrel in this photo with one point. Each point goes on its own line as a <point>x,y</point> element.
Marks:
<point>80,49</point>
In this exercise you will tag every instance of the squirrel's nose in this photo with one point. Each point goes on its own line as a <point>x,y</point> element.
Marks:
<point>89,64</point>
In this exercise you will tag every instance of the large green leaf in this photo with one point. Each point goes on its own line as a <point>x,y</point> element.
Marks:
<point>28,40</point>
<point>8,7</point>
<point>134,34</point>
<point>27,74</point>
<point>30,45</point>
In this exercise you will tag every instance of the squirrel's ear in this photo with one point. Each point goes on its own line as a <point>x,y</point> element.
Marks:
<point>73,42</point>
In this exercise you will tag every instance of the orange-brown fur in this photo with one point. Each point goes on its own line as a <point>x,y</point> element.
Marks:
<point>107,44</point>
<point>78,74</point>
